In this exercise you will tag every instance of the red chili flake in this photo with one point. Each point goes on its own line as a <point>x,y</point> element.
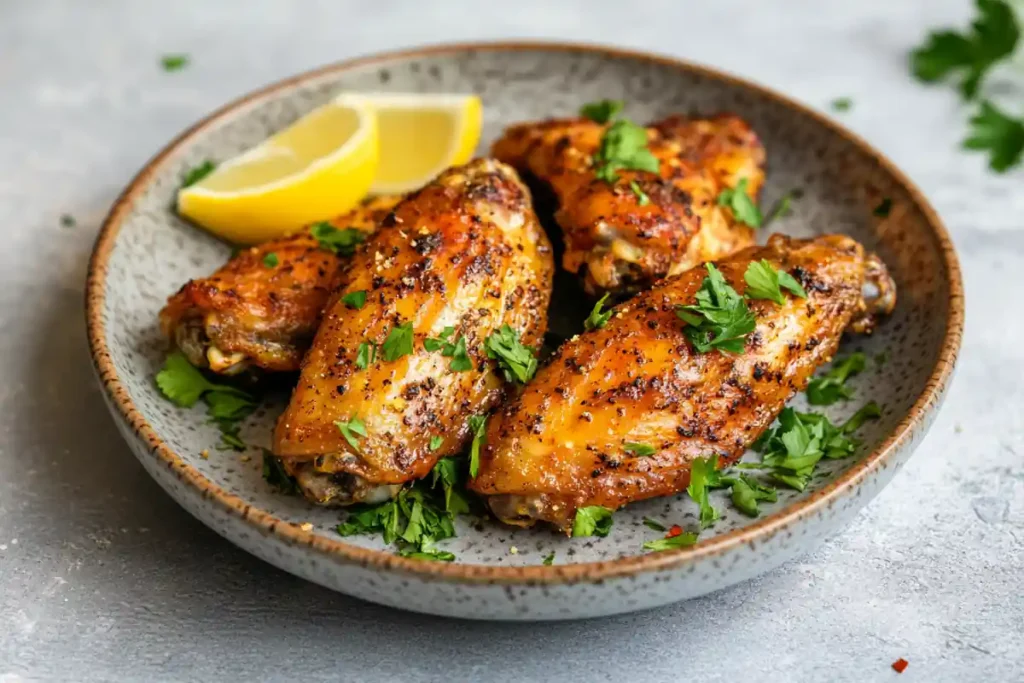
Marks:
<point>900,665</point>
<point>674,531</point>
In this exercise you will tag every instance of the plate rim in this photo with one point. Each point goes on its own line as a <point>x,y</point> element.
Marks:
<point>335,549</point>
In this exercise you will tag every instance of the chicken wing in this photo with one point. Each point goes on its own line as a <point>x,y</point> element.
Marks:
<point>262,307</point>
<point>620,240</point>
<point>562,443</point>
<point>389,384</point>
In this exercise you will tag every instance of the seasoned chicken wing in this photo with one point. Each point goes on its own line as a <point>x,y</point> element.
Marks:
<point>390,383</point>
<point>262,307</point>
<point>623,236</point>
<point>562,443</point>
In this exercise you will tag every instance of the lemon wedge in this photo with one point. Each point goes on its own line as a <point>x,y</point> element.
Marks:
<point>317,168</point>
<point>421,134</point>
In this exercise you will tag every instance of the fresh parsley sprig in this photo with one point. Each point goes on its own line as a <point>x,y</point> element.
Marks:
<point>743,207</point>
<point>197,173</point>
<point>720,318</point>
<point>623,147</point>
<point>330,238</point>
<point>398,342</point>
<point>478,428</point>
<point>598,317</point>
<point>602,111</point>
<point>831,387</point>
<point>999,134</point>
<point>518,361</point>
<point>764,281</point>
<point>592,520</point>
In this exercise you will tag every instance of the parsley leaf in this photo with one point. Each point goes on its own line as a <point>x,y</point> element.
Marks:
<point>517,360</point>
<point>275,474</point>
<point>352,430</point>
<point>431,344</point>
<point>398,343</point>
<point>993,36</point>
<point>782,207</point>
<point>641,197</point>
<point>174,62</point>
<point>720,319</point>
<point>747,491</point>
<point>355,300</point>
<point>460,357</point>
<point>549,559</point>
<point>842,104</point>
<point>1000,135</point>
<point>342,242</point>
<point>435,442</point>
<point>743,207</point>
<point>602,111</point>
<point>868,411</point>
<point>623,146</point>
<point>446,473</point>
<point>598,318</point>
<point>765,282</point>
<point>182,382</point>
<point>831,387</point>
<point>654,524</point>
<point>593,520</point>
<point>478,427</point>
<point>270,260</point>
<point>704,476</point>
<point>197,173</point>
<point>639,449</point>
<point>435,555</point>
<point>365,355</point>
<point>683,540</point>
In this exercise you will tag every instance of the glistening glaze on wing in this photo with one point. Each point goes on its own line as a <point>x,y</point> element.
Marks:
<point>562,443</point>
<point>468,252</point>
<point>612,239</point>
<point>249,314</point>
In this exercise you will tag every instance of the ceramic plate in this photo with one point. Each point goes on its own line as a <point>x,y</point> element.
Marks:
<point>145,252</point>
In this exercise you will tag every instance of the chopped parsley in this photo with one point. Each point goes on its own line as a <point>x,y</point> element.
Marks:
<point>1001,135</point>
<point>593,520</point>
<point>842,104</point>
<point>398,343</point>
<point>353,430</point>
<point>197,173</point>
<point>992,37</point>
<point>270,260</point>
<point>184,384</point>
<point>831,387</point>
<point>682,540</point>
<point>478,428</point>
<point>743,207</point>
<point>67,220</point>
<point>435,442</point>
<point>460,357</point>
<point>436,555</point>
<point>623,147</point>
<point>883,209</point>
<point>765,282</point>
<point>868,411</point>
<point>366,354</point>
<point>449,473</point>
<point>332,239</point>
<point>275,474</point>
<point>654,524</point>
<point>516,359</point>
<point>783,207</point>
<point>598,318</point>
<point>549,559</point>
<point>747,492</point>
<point>639,449</point>
<point>641,197</point>
<point>174,62</point>
<point>720,319</point>
<point>432,344</point>
<point>602,111</point>
<point>704,476</point>
<point>355,300</point>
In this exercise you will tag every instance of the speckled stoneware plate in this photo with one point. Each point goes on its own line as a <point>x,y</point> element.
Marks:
<point>145,252</point>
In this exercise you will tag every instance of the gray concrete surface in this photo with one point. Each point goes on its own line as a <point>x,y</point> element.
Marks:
<point>103,577</point>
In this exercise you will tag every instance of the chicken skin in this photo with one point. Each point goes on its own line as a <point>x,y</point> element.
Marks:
<point>562,443</point>
<point>389,384</point>
<point>262,307</point>
<point>623,236</point>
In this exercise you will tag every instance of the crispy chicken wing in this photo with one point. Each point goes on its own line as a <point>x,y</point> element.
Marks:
<point>561,444</point>
<point>619,241</point>
<point>253,314</point>
<point>465,252</point>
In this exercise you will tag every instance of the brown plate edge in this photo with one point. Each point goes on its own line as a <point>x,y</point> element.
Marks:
<point>767,526</point>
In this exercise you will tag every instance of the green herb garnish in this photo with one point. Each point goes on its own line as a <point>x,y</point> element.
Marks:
<point>355,300</point>
<point>460,357</point>
<point>999,134</point>
<point>478,428</point>
<point>831,387</point>
<point>598,318</point>
<point>365,355</point>
<point>431,344</point>
<point>602,111</point>
<point>343,242</point>
<point>435,442</point>
<point>720,319</point>
<point>270,260</point>
<point>704,476</point>
<point>174,62</point>
<point>593,520</point>
<point>654,524</point>
<point>641,197</point>
<point>516,359</point>
<point>449,473</point>
<point>842,104</point>
<point>353,430</point>
<point>782,207</point>
<point>275,474</point>
<point>639,449</point>
<point>197,173</point>
<point>765,282</point>
<point>549,559</point>
<point>743,207</point>
<point>623,146</point>
<point>683,540</point>
<point>398,343</point>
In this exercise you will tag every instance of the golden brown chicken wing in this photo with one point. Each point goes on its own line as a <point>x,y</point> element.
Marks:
<point>398,365</point>
<point>565,442</point>
<point>626,234</point>
<point>262,307</point>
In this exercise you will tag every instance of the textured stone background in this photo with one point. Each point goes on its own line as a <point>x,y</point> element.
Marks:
<point>103,577</point>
